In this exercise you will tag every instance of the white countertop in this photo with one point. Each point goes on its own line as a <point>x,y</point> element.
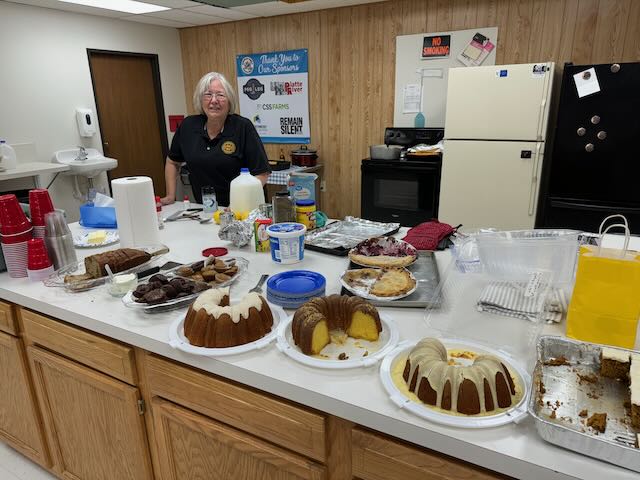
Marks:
<point>30,169</point>
<point>355,394</point>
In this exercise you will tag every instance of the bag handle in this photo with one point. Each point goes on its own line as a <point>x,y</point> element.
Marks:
<point>617,215</point>
<point>627,234</point>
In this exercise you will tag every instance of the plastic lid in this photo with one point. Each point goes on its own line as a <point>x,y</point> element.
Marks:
<point>305,203</point>
<point>157,198</point>
<point>296,282</point>
<point>215,251</point>
<point>286,228</point>
<point>244,170</point>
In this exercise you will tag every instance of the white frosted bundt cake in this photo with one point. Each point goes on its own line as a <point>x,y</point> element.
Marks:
<point>313,321</point>
<point>211,322</point>
<point>481,387</point>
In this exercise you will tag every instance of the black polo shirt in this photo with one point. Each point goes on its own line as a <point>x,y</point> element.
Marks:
<point>215,162</point>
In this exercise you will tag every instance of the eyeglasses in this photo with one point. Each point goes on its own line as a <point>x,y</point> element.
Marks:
<point>208,96</point>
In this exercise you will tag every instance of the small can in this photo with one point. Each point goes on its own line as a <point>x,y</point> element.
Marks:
<point>261,235</point>
<point>266,210</point>
<point>226,218</point>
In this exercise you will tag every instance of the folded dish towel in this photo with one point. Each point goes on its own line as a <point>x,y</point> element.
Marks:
<point>508,298</point>
<point>427,235</point>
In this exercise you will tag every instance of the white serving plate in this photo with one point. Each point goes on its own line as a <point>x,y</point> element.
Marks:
<point>80,240</point>
<point>354,348</point>
<point>516,413</point>
<point>179,341</point>
<point>364,291</point>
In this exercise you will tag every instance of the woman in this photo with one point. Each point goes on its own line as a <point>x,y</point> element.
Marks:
<point>214,144</point>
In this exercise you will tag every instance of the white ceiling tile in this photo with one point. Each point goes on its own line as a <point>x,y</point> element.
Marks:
<point>221,12</point>
<point>269,9</point>
<point>71,7</point>
<point>157,21</point>
<point>172,3</point>
<point>188,17</point>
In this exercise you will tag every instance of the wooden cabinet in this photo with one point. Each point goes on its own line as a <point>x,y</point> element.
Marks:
<point>196,447</point>
<point>93,422</point>
<point>281,422</point>
<point>20,423</point>
<point>376,457</point>
<point>7,319</point>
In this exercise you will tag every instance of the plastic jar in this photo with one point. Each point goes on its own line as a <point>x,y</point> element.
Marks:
<point>284,209</point>
<point>8,159</point>
<point>287,242</point>
<point>306,213</point>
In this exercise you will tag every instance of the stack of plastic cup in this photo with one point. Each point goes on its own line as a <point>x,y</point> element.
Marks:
<point>39,265</point>
<point>15,232</point>
<point>59,240</point>
<point>40,204</point>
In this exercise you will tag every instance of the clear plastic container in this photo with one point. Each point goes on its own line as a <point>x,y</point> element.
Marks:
<point>513,255</point>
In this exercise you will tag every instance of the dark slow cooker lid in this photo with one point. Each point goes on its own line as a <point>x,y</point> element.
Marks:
<point>304,151</point>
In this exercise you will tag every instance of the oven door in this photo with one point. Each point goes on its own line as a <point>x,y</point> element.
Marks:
<point>400,191</point>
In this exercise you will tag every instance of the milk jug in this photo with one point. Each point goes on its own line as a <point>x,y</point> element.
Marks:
<point>246,192</point>
<point>7,156</point>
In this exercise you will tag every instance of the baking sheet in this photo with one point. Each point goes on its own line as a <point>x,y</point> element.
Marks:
<point>563,391</point>
<point>425,271</point>
<point>339,237</point>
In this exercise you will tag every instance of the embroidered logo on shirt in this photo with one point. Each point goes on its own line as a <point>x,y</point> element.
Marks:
<point>228,147</point>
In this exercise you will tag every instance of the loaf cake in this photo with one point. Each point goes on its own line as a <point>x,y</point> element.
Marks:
<point>118,261</point>
<point>313,321</point>
<point>614,363</point>
<point>212,323</point>
<point>479,388</point>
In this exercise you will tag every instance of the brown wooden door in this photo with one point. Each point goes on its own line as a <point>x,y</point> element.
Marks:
<point>129,101</point>
<point>198,448</point>
<point>20,424</point>
<point>93,424</point>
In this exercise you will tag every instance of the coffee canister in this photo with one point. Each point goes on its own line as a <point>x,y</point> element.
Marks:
<point>306,213</point>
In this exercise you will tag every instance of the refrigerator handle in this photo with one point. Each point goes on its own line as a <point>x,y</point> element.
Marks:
<point>534,180</point>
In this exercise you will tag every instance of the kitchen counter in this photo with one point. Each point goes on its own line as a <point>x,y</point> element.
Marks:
<point>356,395</point>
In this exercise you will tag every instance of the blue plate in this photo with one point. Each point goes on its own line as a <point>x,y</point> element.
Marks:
<point>296,283</point>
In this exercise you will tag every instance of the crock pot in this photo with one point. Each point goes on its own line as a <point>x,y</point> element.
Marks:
<point>304,157</point>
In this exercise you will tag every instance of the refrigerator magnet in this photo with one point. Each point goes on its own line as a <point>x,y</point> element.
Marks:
<point>586,82</point>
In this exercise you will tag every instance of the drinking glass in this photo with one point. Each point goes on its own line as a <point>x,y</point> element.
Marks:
<point>209,203</point>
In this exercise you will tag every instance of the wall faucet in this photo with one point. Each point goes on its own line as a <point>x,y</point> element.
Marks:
<point>82,154</point>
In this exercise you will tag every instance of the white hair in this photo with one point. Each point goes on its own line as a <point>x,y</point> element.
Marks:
<point>203,86</point>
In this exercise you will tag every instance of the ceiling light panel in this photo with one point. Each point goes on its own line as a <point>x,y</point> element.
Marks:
<point>128,6</point>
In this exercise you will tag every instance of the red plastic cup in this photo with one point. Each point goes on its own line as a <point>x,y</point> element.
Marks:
<point>37,256</point>
<point>14,238</point>
<point>12,218</point>
<point>15,256</point>
<point>39,203</point>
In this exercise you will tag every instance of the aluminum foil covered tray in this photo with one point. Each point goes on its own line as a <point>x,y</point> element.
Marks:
<point>566,384</point>
<point>339,237</point>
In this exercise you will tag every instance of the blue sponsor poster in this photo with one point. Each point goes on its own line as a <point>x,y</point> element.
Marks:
<point>273,89</point>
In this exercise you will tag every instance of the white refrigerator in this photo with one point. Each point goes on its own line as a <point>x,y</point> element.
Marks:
<point>495,131</point>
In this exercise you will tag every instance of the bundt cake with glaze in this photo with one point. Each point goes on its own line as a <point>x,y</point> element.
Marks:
<point>481,387</point>
<point>313,321</point>
<point>211,322</point>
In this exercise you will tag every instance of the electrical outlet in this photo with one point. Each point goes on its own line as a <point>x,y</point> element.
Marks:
<point>323,186</point>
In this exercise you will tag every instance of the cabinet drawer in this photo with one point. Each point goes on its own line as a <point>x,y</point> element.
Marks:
<point>222,451</point>
<point>379,458</point>
<point>264,416</point>
<point>7,319</point>
<point>106,356</point>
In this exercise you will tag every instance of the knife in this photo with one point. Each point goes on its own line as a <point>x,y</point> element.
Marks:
<point>153,270</point>
<point>174,216</point>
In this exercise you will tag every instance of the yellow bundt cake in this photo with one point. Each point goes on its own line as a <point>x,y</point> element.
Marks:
<point>481,387</point>
<point>210,321</point>
<point>313,321</point>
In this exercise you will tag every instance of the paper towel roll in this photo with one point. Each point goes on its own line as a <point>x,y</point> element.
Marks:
<point>135,211</point>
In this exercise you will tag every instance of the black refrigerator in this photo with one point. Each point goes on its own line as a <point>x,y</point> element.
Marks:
<point>594,169</point>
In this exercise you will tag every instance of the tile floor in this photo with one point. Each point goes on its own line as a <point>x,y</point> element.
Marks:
<point>15,466</point>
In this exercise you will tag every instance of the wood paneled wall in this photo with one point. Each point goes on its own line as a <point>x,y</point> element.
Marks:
<point>352,60</point>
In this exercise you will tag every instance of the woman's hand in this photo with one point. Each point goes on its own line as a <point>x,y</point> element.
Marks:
<point>167,200</point>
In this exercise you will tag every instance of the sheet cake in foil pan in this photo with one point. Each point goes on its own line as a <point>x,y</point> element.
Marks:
<point>568,389</point>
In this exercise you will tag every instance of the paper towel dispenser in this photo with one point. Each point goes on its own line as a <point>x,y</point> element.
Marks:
<point>86,122</point>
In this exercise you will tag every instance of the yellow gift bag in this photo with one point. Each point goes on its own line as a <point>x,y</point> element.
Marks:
<point>605,305</point>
